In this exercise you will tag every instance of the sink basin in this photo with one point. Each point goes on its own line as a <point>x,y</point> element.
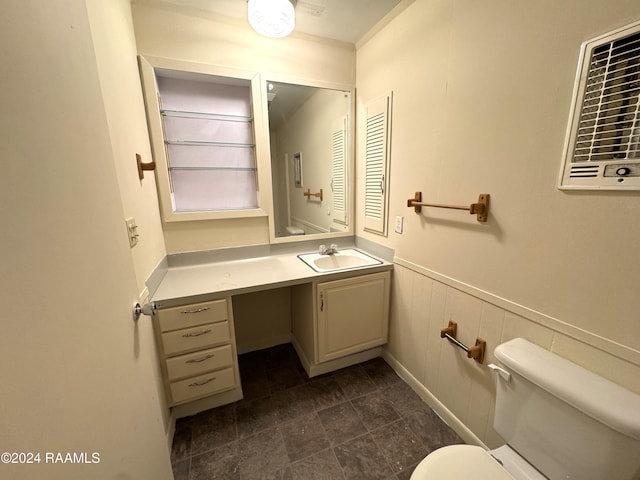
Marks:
<point>341,260</point>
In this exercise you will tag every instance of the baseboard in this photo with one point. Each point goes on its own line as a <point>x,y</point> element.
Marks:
<point>443,412</point>
<point>306,363</point>
<point>213,401</point>
<point>263,343</point>
<point>315,369</point>
<point>171,430</point>
<point>349,360</point>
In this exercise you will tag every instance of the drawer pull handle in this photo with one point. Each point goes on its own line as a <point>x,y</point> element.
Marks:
<point>196,310</point>
<point>198,360</point>
<point>199,384</point>
<point>203,332</point>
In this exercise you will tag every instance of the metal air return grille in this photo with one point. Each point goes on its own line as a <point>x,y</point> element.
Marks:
<point>604,127</point>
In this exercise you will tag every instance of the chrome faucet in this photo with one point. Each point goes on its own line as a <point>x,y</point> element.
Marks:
<point>323,250</point>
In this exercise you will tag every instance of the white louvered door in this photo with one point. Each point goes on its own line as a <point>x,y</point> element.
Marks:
<point>377,145</point>
<point>339,171</point>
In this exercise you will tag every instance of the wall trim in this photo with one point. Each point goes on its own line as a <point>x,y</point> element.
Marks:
<point>596,341</point>
<point>263,343</point>
<point>194,407</point>
<point>430,399</point>
<point>386,20</point>
<point>171,430</point>
<point>315,369</point>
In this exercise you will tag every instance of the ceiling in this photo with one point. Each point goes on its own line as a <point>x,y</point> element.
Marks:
<point>343,20</point>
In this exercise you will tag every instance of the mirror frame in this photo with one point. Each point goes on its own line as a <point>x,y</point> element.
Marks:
<point>351,161</point>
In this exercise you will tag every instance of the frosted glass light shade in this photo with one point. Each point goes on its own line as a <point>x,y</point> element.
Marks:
<point>272,18</point>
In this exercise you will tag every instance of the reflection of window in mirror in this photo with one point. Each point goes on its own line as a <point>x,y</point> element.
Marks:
<point>297,169</point>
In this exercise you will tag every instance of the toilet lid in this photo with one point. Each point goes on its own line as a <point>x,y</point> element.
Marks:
<point>460,461</point>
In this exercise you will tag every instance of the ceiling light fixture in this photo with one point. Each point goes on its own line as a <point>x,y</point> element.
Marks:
<point>272,18</point>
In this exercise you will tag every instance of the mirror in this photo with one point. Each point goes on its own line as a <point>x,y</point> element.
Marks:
<point>311,160</point>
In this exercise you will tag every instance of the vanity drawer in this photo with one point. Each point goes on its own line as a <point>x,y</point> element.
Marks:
<point>199,362</point>
<point>191,315</point>
<point>196,337</point>
<point>202,385</point>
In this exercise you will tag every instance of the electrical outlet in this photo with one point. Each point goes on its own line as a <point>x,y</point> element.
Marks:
<point>132,231</point>
<point>399,224</point>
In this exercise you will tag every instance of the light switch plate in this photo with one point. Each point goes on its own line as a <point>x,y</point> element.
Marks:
<point>132,231</point>
<point>399,224</point>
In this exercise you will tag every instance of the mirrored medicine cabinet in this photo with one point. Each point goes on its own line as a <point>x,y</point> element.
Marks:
<point>310,136</point>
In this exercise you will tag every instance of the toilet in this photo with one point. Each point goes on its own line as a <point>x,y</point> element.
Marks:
<point>559,420</point>
<point>291,230</point>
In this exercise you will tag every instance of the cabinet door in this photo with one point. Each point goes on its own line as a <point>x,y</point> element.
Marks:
<point>353,315</point>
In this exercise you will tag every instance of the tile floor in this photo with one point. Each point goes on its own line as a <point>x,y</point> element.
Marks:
<point>362,422</point>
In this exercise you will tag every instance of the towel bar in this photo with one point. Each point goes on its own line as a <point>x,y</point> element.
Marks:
<point>480,209</point>
<point>308,194</point>
<point>476,352</point>
<point>150,166</point>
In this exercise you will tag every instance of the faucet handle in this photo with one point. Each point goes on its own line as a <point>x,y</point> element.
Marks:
<point>334,247</point>
<point>322,249</point>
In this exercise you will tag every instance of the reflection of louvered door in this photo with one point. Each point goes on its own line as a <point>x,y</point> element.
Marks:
<point>377,145</point>
<point>338,171</point>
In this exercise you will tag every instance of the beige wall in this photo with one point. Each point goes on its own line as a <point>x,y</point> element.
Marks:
<point>115,50</point>
<point>77,372</point>
<point>262,319</point>
<point>195,36</point>
<point>481,99</point>
<point>481,94</point>
<point>114,42</point>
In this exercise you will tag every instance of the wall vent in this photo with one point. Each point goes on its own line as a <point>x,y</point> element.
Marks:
<point>602,146</point>
<point>581,171</point>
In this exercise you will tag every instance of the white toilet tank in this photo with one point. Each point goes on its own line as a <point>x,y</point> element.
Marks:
<point>566,421</point>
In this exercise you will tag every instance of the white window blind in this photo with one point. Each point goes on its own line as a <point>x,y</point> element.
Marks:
<point>338,170</point>
<point>604,136</point>
<point>208,134</point>
<point>377,136</point>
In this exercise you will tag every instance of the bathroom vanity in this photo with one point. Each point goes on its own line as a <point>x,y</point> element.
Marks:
<point>339,317</point>
<point>337,323</point>
<point>196,344</point>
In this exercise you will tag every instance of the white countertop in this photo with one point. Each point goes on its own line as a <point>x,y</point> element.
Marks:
<point>206,281</point>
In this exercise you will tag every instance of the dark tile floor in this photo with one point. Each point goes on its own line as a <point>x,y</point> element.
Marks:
<point>362,422</point>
